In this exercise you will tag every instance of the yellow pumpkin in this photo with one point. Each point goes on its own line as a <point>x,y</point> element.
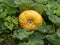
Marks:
<point>29,19</point>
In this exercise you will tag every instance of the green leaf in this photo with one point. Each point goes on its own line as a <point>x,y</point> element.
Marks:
<point>21,34</point>
<point>49,12</point>
<point>57,12</point>
<point>58,1</point>
<point>23,1</point>
<point>1,24</point>
<point>10,3</point>
<point>2,29</point>
<point>58,32</point>
<point>41,1</point>
<point>11,22</point>
<point>10,41</point>
<point>39,7</point>
<point>9,19</point>
<point>25,4</point>
<point>36,42</point>
<point>54,19</point>
<point>11,10</point>
<point>37,36</point>
<point>1,0</point>
<point>12,19</point>
<point>1,9</point>
<point>54,39</point>
<point>52,5</point>
<point>15,20</point>
<point>3,14</point>
<point>9,25</point>
<point>45,29</point>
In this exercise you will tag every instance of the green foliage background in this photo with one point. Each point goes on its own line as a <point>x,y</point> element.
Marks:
<point>12,34</point>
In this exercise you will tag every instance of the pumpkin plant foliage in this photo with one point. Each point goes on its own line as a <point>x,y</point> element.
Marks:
<point>13,29</point>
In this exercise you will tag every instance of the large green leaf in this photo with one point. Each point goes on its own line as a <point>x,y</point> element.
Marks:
<point>10,3</point>
<point>54,19</point>
<point>58,32</point>
<point>46,29</point>
<point>37,36</point>
<point>36,42</point>
<point>3,14</point>
<point>49,12</point>
<point>21,34</point>
<point>39,7</point>
<point>11,10</point>
<point>54,39</point>
<point>41,1</point>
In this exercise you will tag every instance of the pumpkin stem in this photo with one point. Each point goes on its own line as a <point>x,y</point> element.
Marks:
<point>30,22</point>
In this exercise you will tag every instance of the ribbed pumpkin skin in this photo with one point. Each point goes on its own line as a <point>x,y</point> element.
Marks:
<point>29,19</point>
